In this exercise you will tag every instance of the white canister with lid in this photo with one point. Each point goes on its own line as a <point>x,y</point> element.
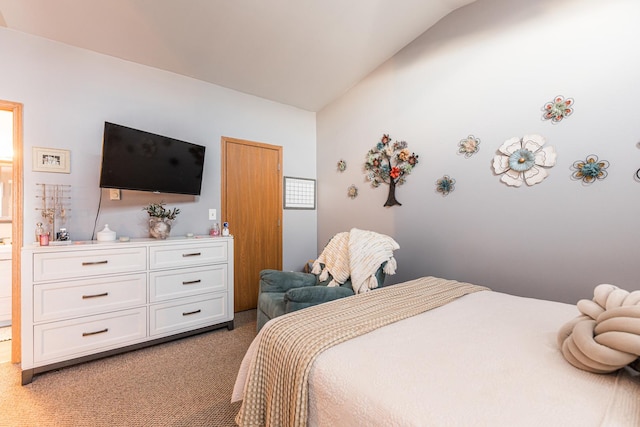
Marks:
<point>106,235</point>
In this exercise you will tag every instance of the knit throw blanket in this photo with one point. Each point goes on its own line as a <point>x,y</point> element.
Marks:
<point>357,254</point>
<point>276,389</point>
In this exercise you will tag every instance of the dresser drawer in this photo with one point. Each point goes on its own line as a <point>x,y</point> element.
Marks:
<point>5,310</point>
<point>186,314</point>
<point>87,335</point>
<point>5,278</point>
<point>66,265</point>
<point>172,256</point>
<point>170,284</point>
<point>56,301</point>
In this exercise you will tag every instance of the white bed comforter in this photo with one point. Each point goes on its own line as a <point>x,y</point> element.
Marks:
<point>486,359</point>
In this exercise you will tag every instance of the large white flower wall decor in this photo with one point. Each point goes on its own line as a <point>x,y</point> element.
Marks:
<point>524,160</point>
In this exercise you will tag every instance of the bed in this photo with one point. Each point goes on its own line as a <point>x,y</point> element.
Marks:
<point>474,357</point>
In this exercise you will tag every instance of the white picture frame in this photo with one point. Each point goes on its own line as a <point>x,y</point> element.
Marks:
<point>51,160</point>
<point>299,193</point>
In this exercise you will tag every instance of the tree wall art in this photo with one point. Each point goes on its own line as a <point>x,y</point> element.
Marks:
<point>390,163</point>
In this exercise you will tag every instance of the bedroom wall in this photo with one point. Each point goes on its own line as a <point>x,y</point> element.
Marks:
<point>68,94</point>
<point>487,70</point>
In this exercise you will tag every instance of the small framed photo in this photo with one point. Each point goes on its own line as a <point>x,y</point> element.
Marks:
<point>51,160</point>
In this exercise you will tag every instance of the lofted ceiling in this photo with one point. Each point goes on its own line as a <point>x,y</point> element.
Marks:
<point>303,53</point>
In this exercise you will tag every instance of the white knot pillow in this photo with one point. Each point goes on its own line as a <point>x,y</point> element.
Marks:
<point>606,337</point>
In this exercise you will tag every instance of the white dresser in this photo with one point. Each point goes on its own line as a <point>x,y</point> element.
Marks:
<point>85,300</point>
<point>5,285</point>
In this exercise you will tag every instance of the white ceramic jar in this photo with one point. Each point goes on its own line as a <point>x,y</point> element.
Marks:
<point>106,235</point>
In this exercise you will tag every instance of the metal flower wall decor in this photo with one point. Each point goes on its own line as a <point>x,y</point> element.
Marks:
<point>558,109</point>
<point>342,165</point>
<point>523,160</point>
<point>445,185</point>
<point>352,191</point>
<point>469,146</point>
<point>390,163</point>
<point>590,169</point>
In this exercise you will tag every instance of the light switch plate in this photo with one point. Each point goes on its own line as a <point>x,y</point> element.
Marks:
<point>212,215</point>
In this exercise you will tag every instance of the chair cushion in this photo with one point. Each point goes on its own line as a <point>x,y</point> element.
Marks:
<point>282,281</point>
<point>296,299</point>
<point>316,294</point>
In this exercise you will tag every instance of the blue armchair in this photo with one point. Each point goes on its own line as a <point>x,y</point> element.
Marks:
<point>362,255</point>
<point>283,292</point>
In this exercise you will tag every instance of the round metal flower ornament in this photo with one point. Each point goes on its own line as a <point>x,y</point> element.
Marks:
<point>445,185</point>
<point>352,191</point>
<point>590,169</point>
<point>558,109</point>
<point>523,160</point>
<point>469,146</point>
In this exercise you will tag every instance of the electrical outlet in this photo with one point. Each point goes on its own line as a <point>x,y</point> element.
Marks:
<point>212,215</point>
<point>114,194</point>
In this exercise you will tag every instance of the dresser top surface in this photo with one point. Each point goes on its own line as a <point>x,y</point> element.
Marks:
<point>95,244</point>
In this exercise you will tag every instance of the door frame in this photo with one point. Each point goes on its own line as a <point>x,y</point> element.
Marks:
<point>16,228</point>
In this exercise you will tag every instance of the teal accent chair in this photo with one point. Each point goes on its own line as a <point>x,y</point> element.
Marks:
<point>283,292</point>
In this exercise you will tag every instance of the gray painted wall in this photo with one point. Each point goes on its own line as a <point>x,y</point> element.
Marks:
<point>68,94</point>
<point>487,70</point>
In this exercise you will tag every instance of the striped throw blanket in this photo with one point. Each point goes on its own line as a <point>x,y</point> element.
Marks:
<point>276,388</point>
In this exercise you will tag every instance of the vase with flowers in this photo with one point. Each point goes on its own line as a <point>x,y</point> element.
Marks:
<point>160,219</point>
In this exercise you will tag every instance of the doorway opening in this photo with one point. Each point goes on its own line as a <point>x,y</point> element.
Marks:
<point>11,233</point>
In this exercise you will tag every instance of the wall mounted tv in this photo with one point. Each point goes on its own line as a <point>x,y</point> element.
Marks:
<point>137,160</point>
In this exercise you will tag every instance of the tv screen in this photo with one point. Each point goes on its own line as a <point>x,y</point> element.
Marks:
<point>137,160</point>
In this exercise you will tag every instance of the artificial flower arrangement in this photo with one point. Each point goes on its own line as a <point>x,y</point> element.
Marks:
<point>390,163</point>
<point>157,210</point>
<point>160,219</point>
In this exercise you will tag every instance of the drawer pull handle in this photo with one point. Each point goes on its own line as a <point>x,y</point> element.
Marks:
<point>94,262</point>
<point>191,312</point>
<point>192,282</point>
<point>192,254</point>
<point>95,296</point>
<point>87,334</point>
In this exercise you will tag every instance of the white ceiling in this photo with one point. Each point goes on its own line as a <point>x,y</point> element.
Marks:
<point>303,53</point>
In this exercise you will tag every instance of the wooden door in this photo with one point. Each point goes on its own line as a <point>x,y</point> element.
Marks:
<point>252,205</point>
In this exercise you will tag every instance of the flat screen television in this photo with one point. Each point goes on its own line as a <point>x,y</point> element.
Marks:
<point>137,160</point>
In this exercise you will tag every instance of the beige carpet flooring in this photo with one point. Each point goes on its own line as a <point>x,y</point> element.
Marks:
<point>181,383</point>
